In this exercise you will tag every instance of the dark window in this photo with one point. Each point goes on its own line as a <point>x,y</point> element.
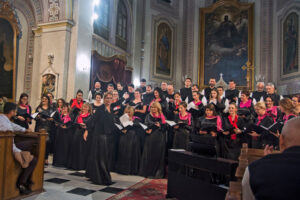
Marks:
<point>121,34</point>
<point>101,24</point>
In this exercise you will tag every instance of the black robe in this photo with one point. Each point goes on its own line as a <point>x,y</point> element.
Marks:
<point>147,98</point>
<point>231,94</point>
<point>258,95</point>
<point>231,144</point>
<point>62,143</point>
<point>138,106</point>
<point>102,145</point>
<point>276,98</point>
<point>129,151</point>
<point>182,135</point>
<point>207,92</point>
<point>219,107</point>
<point>23,113</point>
<point>153,157</point>
<point>78,147</point>
<point>186,92</point>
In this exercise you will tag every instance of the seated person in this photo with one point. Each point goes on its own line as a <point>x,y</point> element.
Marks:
<point>26,160</point>
<point>276,176</point>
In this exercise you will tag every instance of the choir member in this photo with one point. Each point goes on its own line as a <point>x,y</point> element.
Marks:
<point>232,93</point>
<point>143,85</point>
<point>259,140</point>
<point>52,101</point>
<point>79,148</point>
<point>139,107</point>
<point>174,106</point>
<point>272,111</point>
<point>23,116</point>
<point>171,93</point>
<point>110,87</point>
<point>205,140</point>
<point>245,102</point>
<point>232,133</point>
<point>153,157</point>
<point>215,99</point>
<point>117,103</point>
<point>186,92</point>
<point>270,89</point>
<point>148,96</point>
<point>211,85</point>
<point>158,97</point>
<point>97,103</point>
<point>93,92</point>
<point>223,98</point>
<point>195,88</point>
<point>130,88</point>
<point>259,94</point>
<point>120,89</point>
<point>183,127</point>
<point>164,87</point>
<point>60,103</point>
<point>63,137</point>
<point>198,110</point>
<point>100,135</point>
<point>45,121</point>
<point>77,103</point>
<point>129,150</point>
<point>296,103</point>
<point>286,106</point>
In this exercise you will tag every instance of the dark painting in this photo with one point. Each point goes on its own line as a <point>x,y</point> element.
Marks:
<point>226,44</point>
<point>6,58</point>
<point>164,50</point>
<point>290,47</point>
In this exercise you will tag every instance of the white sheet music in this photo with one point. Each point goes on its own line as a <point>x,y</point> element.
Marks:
<point>52,114</point>
<point>167,99</point>
<point>191,105</point>
<point>34,115</point>
<point>204,101</point>
<point>119,126</point>
<point>187,100</point>
<point>125,121</point>
<point>143,126</point>
<point>171,123</point>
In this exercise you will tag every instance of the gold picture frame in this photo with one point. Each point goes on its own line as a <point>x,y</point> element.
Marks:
<point>215,48</point>
<point>7,14</point>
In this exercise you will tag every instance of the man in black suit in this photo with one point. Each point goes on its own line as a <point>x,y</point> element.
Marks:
<point>276,176</point>
<point>212,85</point>
<point>186,92</point>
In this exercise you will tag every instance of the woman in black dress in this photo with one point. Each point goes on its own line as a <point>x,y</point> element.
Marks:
<point>232,138</point>
<point>102,129</point>
<point>215,99</point>
<point>45,121</point>
<point>174,106</point>
<point>286,106</point>
<point>198,110</point>
<point>273,111</point>
<point>182,130</point>
<point>77,103</point>
<point>79,148</point>
<point>259,140</point>
<point>138,105</point>
<point>60,104</point>
<point>62,141</point>
<point>205,136</point>
<point>23,117</point>
<point>97,103</point>
<point>245,102</point>
<point>153,157</point>
<point>129,151</point>
<point>158,97</point>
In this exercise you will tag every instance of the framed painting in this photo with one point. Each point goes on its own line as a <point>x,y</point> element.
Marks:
<point>226,43</point>
<point>8,48</point>
<point>290,51</point>
<point>163,51</point>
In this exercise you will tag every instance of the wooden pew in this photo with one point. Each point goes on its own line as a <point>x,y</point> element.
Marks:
<point>188,173</point>
<point>247,156</point>
<point>10,169</point>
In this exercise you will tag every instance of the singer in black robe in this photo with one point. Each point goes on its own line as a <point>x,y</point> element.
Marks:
<point>182,131</point>
<point>153,157</point>
<point>25,113</point>
<point>64,132</point>
<point>129,151</point>
<point>79,148</point>
<point>102,129</point>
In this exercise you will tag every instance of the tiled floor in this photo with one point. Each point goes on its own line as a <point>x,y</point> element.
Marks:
<point>63,184</point>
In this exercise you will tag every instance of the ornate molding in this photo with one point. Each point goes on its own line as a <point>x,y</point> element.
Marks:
<point>7,11</point>
<point>166,8</point>
<point>53,10</point>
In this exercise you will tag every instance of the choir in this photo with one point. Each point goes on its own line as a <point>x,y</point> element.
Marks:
<point>130,130</point>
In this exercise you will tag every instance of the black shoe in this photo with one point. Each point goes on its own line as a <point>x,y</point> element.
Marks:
<point>24,190</point>
<point>29,183</point>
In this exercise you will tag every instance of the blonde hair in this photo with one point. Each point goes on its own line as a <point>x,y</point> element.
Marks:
<point>287,105</point>
<point>129,109</point>
<point>261,105</point>
<point>156,105</point>
<point>86,104</point>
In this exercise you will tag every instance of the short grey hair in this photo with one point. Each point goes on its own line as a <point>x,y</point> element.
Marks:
<point>271,85</point>
<point>260,82</point>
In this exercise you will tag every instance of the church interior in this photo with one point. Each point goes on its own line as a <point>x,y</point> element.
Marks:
<point>149,99</point>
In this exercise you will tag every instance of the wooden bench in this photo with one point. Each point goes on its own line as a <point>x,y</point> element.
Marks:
<point>10,169</point>
<point>189,175</point>
<point>247,156</point>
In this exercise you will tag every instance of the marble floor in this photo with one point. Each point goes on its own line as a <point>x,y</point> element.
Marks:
<point>64,184</point>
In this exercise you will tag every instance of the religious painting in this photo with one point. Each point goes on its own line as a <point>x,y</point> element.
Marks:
<point>290,44</point>
<point>226,43</point>
<point>109,70</point>
<point>6,58</point>
<point>48,84</point>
